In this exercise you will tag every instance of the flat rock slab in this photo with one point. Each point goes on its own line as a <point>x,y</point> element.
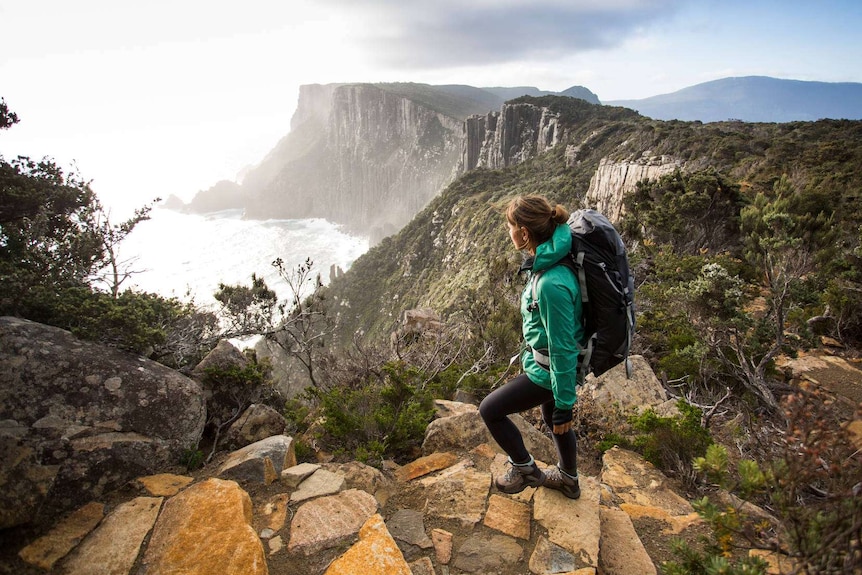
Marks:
<point>376,553</point>
<point>622,551</point>
<point>293,476</point>
<point>573,524</point>
<point>47,550</point>
<point>458,495</point>
<point>488,554</point>
<point>206,529</point>
<point>548,557</point>
<point>319,484</point>
<point>508,516</point>
<point>327,522</point>
<point>113,548</point>
<point>425,465</point>
<point>407,527</point>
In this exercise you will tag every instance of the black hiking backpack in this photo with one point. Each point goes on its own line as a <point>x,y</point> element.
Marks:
<point>598,258</point>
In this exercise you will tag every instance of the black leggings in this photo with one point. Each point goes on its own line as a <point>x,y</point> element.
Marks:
<point>520,394</point>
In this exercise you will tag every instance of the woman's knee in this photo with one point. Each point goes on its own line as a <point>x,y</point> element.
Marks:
<point>487,410</point>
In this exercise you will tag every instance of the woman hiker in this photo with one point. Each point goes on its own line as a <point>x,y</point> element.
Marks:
<point>552,330</point>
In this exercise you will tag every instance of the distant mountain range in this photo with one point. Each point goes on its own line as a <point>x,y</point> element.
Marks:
<point>754,99</point>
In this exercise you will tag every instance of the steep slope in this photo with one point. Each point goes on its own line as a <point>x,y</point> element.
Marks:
<point>368,156</point>
<point>360,155</point>
<point>599,154</point>
<point>754,99</point>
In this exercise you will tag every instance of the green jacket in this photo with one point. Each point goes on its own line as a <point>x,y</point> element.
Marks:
<point>556,324</point>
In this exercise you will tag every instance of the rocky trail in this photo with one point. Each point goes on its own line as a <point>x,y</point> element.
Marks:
<point>90,437</point>
<point>257,512</point>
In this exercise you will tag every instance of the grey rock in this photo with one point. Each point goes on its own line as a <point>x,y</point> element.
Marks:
<point>467,430</point>
<point>81,419</point>
<point>293,476</point>
<point>256,423</point>
<point>487,554</point>
<point>319,484</point>
<point>260,462</point>
<point>640,391</point>
<point>548,557</point>
<point>407,527</point>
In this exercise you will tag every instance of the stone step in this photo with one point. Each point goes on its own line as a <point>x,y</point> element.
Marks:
<point>330,520</point>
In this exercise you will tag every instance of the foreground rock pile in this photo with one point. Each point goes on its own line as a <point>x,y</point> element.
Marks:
<point>87,434</point>
<point>436,515</point>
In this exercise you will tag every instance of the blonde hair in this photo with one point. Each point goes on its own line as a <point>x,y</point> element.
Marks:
<point>537,215</point>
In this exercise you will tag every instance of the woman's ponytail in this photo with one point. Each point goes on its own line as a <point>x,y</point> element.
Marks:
<point>560,214</point>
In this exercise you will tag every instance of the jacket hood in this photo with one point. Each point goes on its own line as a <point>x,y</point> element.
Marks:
<point>553,250</point>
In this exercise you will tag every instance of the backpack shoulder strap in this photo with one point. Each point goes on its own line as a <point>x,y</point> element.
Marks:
<point>582,277</point>
<point>534,291</point>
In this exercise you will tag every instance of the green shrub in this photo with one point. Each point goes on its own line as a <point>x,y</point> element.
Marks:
<point>613,439</point>
<point>710,561</point>
<point>379,418</point>
<point>304,452</point>
<point>668,442</point>
<point>134,321</point>
<point>296,414</point>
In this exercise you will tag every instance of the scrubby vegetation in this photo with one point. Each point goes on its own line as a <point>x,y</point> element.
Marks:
<point>754,250</point>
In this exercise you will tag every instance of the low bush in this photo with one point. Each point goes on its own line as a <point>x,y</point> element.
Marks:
<point>380,418</point>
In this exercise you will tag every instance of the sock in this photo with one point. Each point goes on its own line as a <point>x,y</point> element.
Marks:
<point>529,462</point>
<point>567,474</point>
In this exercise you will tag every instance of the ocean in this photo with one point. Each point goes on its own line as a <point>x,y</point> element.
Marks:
<point>188,255</point>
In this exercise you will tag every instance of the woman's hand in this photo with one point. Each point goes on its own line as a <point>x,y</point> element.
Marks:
<point>562,428</point>
<point>562,420</point>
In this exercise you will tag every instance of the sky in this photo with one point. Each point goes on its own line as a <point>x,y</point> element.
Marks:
<point>149,99</point>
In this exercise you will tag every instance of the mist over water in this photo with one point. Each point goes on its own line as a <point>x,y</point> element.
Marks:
<point>188,255</point>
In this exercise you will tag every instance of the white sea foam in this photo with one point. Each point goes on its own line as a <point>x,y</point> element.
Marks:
<point>189,255</point>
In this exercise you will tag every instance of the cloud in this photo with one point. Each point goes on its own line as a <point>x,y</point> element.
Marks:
<point>410,34</point>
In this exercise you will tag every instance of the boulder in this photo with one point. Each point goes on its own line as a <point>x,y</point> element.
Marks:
<point>222,401</point>
<point>466,431</point>
<point>640,391</point>
<point>256,423</point>
<point>206,529</point>
<point>260,462</point>
<point>78,419</point>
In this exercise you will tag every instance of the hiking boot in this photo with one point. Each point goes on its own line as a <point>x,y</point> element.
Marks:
<point>519,477</point>
<point>555,478</point>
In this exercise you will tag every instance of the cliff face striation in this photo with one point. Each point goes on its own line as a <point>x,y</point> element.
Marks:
<point>371,156</point>
<point>516,133</point>
<point>359,155</point>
